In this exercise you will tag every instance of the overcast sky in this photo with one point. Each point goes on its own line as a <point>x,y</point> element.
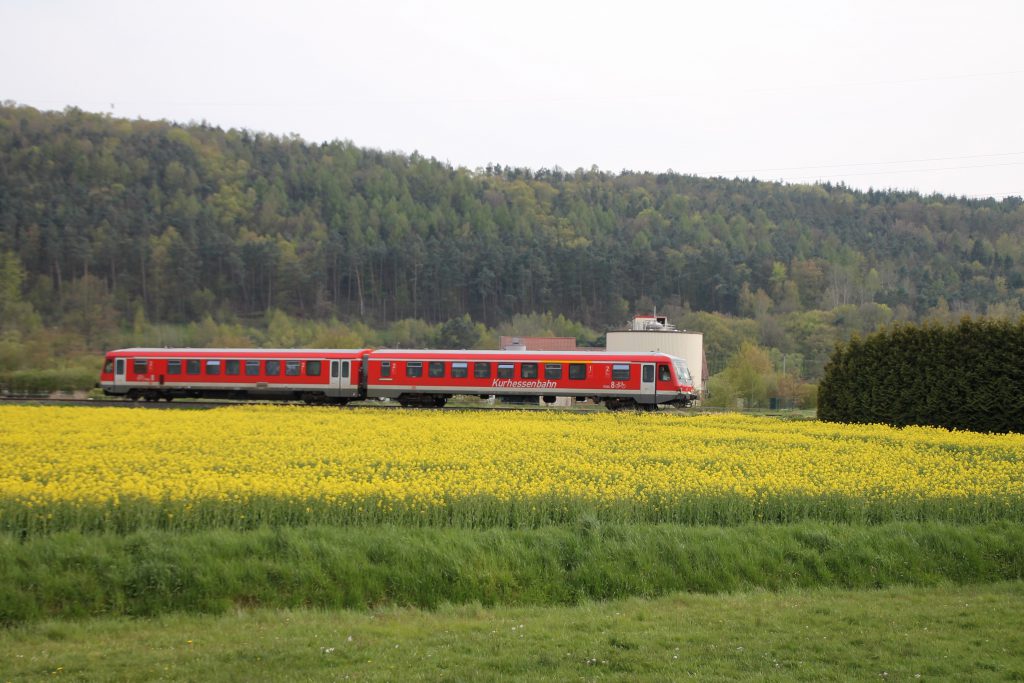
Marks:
<point>911,95</point>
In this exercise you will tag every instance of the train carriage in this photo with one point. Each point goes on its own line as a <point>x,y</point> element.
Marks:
<point>619,380</point>
<point>311,375</point>
<point>410,377</point>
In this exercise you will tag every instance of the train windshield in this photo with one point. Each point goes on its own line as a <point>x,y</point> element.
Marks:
<point>682,372</point>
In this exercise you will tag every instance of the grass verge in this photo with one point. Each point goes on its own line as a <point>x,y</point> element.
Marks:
<point>935,633</point>
<point>154,572</point>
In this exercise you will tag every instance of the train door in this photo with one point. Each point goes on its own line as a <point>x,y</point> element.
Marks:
<point>647,385</point>
<point>341,376</point>
<point>119,372</point>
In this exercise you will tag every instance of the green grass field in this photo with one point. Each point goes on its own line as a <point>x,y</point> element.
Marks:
<point>272,544</point>
<point>947,633</point>
<point>158,572</point>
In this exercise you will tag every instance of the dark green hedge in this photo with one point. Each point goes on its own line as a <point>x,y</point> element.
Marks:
<point>969,376</point>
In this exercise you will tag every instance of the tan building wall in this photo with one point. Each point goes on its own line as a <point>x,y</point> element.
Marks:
<point>686,345</point>
<point>539,343</point>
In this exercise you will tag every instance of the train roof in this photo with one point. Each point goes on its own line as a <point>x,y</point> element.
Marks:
<point>204,351</point>
<point>449,354</point>
<point>439,354</point>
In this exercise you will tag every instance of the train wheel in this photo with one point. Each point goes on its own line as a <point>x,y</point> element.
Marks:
<point>615,404</point>
<point>440,401</point>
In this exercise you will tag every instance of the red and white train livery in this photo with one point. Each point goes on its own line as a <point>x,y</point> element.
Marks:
<point>410,377</point>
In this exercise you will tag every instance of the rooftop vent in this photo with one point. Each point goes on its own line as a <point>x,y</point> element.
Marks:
<point>651,323</point>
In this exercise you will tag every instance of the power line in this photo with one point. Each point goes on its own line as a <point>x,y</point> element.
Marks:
<point>903,81</point>
<point>870,163</point>
<point>910,170</point>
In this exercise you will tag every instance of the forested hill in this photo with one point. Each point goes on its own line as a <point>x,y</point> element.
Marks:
<point>193,220</point>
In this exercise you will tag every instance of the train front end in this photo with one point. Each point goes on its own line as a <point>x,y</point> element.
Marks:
<point>685,389</point>
<point>113,370</point>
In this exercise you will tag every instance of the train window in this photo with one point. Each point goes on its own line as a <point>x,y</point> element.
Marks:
<point>293,368</point>
<point>460,369</point>
<point>313,368</point>
<point>174,367</point>
<point>664,374</point>
<point>232,367</point>
<point>252,368</point>
<point>272,367</point>
<point>334,368</point>
<point>213,367</point>
<point>385,368</point>
<point>552,371</point>
<point>344,369</point>
<point>481,370</point>
<point>193,366</point>
<point>505,370</point>
<point>648,373</point>
<point>682,372</point>
<point>528,370</point>
<point>577,371</point>
<point>108,367</point>
<point>414,368</point>
<point>139,366</point>
<point>120,366</point>
<point>620,372</point>
<point>435,368</point>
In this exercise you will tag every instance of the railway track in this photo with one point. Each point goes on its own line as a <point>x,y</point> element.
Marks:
<point>199,404</point>
<point>123,403</point>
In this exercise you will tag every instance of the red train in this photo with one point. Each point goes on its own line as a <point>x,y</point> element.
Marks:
<point>413,378</point>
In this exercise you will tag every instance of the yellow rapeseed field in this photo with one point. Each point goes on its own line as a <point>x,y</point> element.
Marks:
<point>120,469</point>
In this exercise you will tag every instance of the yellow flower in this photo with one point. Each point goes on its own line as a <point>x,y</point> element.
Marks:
<point>126,468</point>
